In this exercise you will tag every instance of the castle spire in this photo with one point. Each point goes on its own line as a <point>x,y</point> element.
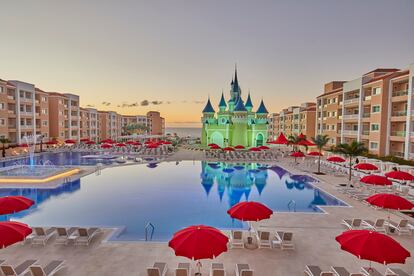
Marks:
<point>262,108</point>
<point>208,108</point>
<point>236,82</point>
<point>249,104</point>
<point>222,104</point>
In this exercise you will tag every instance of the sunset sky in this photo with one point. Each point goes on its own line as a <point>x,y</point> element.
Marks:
<point>135,56</point>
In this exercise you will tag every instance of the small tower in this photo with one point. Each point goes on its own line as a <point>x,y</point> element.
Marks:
<point>207,120</point>
<point>260,128</point>
<point>222,104</point>
<point>249,105</point>
<point>239,124</point>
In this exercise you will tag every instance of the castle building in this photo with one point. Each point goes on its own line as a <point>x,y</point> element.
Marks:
<point>235,122</point>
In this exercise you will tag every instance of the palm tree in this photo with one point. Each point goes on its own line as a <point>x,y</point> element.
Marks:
<point>4,141</point>
<point>320,141</point>
<point>294,140</point>
<point>351,150</point>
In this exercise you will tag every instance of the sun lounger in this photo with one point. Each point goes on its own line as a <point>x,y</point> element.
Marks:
<point>378,225</point>
<point>236,239</point>
<point>42,235</point>
<point>284,240</point>
<point>398,271</point>
<point>243,270</point>
<point>401,227</point>
<point>158,269</point>
<point>263,238</point>
<point>352,224</point>
<point>85,236</point>
<point>21,269</point>
<point>314,270</point>
<point>50,269</point>
<point>217,269</point>
<point>370,271</point>
<point>342,271</point>
<point>64,235</point>
<point>183,269</point>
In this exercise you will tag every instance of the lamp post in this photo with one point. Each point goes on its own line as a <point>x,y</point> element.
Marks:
<point>41,143</point>
<point>5,143</point>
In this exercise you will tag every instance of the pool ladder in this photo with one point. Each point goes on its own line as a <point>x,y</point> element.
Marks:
<point>149,229</point>
<point>291,204</point>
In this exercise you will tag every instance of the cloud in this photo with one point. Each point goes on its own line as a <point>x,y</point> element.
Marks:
<point>156,102</point>
<point>145,103</point>
<point>198,102</point>
<point>90,105</point>
<point>106,103</point>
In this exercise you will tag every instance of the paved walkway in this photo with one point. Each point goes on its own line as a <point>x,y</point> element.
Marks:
<point>314,237</point>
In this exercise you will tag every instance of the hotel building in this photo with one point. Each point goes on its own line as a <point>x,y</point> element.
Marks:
<point>27,110</point>
<point>294,120</point>
<point>375,109</point>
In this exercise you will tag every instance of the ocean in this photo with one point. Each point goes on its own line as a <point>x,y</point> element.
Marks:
<point>184,131</point>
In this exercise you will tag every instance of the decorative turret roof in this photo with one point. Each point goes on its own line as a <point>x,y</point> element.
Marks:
<point>208,108</point>
<point>222,101</point>
<point>262,108</point>
<point>249,101</point>
<point>240,106</point>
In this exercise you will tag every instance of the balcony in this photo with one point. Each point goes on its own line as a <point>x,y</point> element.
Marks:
<point>399,113</point>
<point>26,100</point>
<point>365,132</point>
<point>350,132</point>
<point>11,97</point>
<point>367,98</point>
<point>350,116</point>
<point>26,126</point>
<point>366,115</point>
<point>398,133</point>
<point>397,154</point>
<point>400,93</point>
<point>351,101</point>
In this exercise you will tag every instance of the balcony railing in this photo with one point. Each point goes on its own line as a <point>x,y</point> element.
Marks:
<point>366,115</point>
<point>398,133</point>
<point>350,116</point>
<point>367,98</point>
<point>353,100</point>
<point>350,132</point>
<point>365,132</point>
<point>399,113</point>
<point>397,153</point>
<point>11,111</point>
<point>400,93</point>
<point>11,97</point>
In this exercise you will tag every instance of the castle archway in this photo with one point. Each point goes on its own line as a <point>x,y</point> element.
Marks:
<point>217,138</point>
<point>259,140</point>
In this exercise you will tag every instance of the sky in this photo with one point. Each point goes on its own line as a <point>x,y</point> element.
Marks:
<point>170,56</point>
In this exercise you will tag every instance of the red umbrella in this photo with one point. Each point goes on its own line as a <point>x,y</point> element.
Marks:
<point>12,232</point>
<point>136,144</point>
<point>84,139</point>
<point>301,136</point>
<point>199,242</point>
<point>366,167</point>
<point>24,145</point>
<point>239,147</point>
<point>400,175</point>
<point>51,143</point>
<point>281,140</point>
<point>108,141</point>
<point>106,146</point>
<point>14,204</point>
<point>228,149</point>
<point>250,211</point>
<point>305,143</point>
<point>315,153</point>
<point>167,143</point>
<point>152,146</point>
<point>120,145</point>
<point>264,148</point>
<point>297,154</point>
<point>336,159</point>
<point>90,143</point>
<point>130,142</point>
<point>213,145</point>
<point>254,149</point>
<point>372,246</point>
<point>376,180</point>
<point>70,141</point>
<point>390,201</point>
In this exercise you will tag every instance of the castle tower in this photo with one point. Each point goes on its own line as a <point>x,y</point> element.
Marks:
<point>239,124</point>
<point>206,120</point>
<point>235,92</point>
<point>249,105</point>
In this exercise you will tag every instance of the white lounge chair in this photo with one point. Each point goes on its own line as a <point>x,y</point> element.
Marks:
<point>284,240</point>
<point>42,235</point>
<point>378,225</point>
<point>352,224</point>
<point>243,270</point>
<point>64,235</point>
<point>263,238</point>
<point>342,271</point>
<point>158,269</point>
<point>314,270</point>
<point>50,269</point>
<point>85,236</point>
<point>370,271</point>
<point>183,269</point>
<point>401,227</point>
<point>236,239</point>
<point>21,269</point>
<point>398,271</point>
<point>217,269</point>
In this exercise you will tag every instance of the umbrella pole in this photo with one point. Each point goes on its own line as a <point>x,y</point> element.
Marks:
<point>198,265</point>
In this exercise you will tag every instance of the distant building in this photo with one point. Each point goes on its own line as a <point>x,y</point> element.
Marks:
<point>156,123</point>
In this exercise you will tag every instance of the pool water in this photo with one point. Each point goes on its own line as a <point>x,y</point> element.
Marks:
<point>170,196</point>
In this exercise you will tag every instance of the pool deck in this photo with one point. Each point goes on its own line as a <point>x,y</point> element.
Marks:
<point>314,238</point>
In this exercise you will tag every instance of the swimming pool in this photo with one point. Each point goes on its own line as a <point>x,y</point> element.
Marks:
<point>66,158</point>
<point>169,195</point>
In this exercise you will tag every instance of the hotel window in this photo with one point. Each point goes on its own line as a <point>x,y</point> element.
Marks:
<point>2,106</point>
<point>373,145</point>
<point>1,89</point>
<point>44,123</point>
<point>376,108</point>
<point>44,99</point>
<point>374,127</point>
<point>44,111</point>
<point>2,122</point>
<point>376,91</point>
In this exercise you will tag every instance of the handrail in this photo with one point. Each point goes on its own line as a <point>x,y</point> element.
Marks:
<point>151,226</point>
<point>294,205</point>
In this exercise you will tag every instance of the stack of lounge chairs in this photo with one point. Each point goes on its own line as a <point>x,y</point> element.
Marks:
<point>282,240</point>
<point>78,235</point>
<point>403,227</point>
<point>184,269</point>
<point>33,266</point>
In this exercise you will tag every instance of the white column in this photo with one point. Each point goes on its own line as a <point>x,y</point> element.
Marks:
<point>342,119</point>
<point>389,112</point>
<point>18,127</point>
<point>360,111</point>
<point>408,123</point>
<point>34,112</point>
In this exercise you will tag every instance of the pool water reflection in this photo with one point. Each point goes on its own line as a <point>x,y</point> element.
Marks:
<point>170,196</point>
